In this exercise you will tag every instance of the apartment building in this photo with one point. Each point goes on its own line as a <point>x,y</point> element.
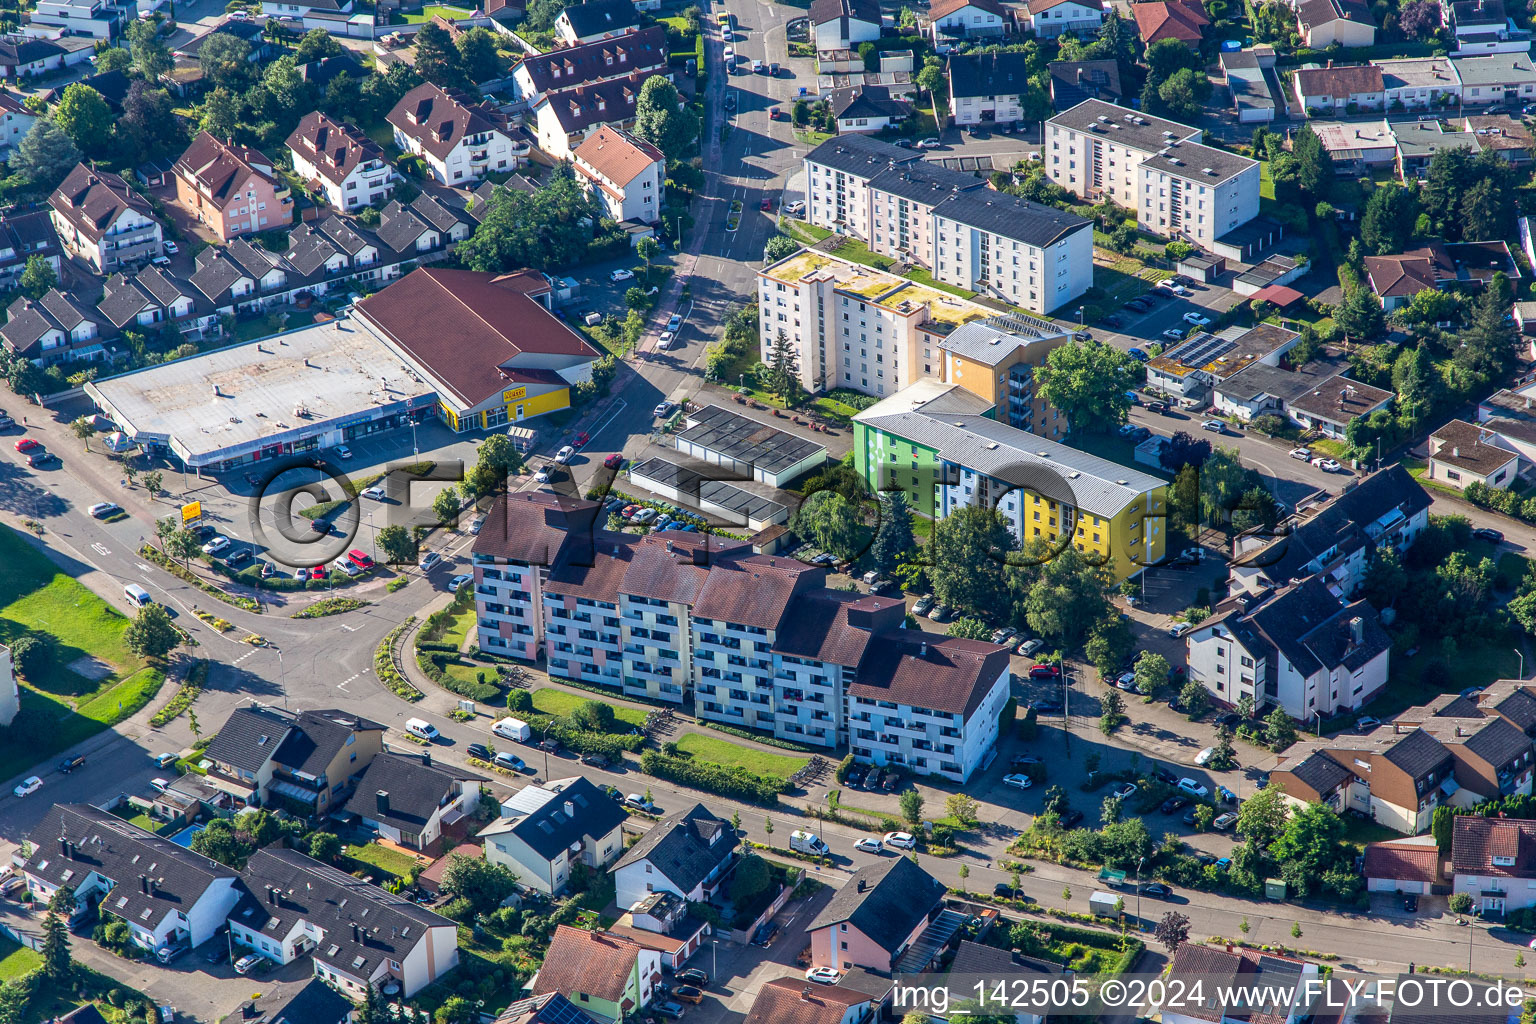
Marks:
<point>308,761</point>
<point>341,162</point>
<point>459,140</point>
<point>602,60</point>
<point>231,188</point>
<point>1178,187</point>
<point>626,174</point>
<point>758,640</point>
<point>856,327</point>
<point>949,222</point>
<point>939,444</point>
<point>103,221</point>
<point>996,359</point>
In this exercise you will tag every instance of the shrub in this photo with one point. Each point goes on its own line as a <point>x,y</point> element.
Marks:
<point>32,655</point>
<point>734,782</point>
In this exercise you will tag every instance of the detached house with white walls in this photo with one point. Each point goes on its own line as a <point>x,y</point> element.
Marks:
<point>1048,19</point>
<point>951,21</point>
<point>625,173</point>
<point>341,162</point>
<point>544,831</point>
<point>594,20</point>
<point>607,975</point>
<point>844,24</point>
<point>459,140</point>
<point>410,799</point>
<point>103,221</point>
<point>687,854</point>
<point>15,121</point>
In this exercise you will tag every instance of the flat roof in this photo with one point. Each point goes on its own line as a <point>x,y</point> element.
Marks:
<point>878,286</point>
<point>1129,128</point>
<point>746,440</point>
<point>246,394</point>
<point>1337,136</point>
<point>716,492</point>
<point>1224,354</point>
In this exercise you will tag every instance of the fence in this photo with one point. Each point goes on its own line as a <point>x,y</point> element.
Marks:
<point>744,935</point>
<point>17,935</point>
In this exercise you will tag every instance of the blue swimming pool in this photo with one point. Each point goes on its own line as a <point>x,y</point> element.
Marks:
<point>184,837</point>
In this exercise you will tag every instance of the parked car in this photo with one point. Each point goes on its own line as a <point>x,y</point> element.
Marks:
<point>28,786</point>
<point>162,760</point>
<point>692,976</point>
<point>1045,671</point>
<point>1302,454</point>
<point>668,1009</point>
<point>869,844</point>
<point>71,762</point>
<point>765,934</point>
<point>26,444</point>
<point>216,545</point>
<point>428,561</point>
<point>374,493</point>
<point>248,963</point>
<point>900,840</point>
<point>1194,788</point>
<point>1365,723</point>
<point>923,604</point>
<point>1161,408</point>
<point>1157,890</point>
<point>622,275</point>
<point>824,975</point>
<point>1137,354</point>
<point>1204,757</point>
<point>511,762</point>
<point>1071,817</point>
<point>1173,335</point>
<point>689,993</point>
<point>1126,791</point>
<point>1018,781</point>
<point>1174,804</point>
<point>1178,629</point>
<point>478,750</point>
<point>1326,464</point>
<point>1489,535</point>
<point>663,409</point>
<point>1195,318</point>
<point>1224,821</point>
<point>1030,646</point>
<point>940,613</point>
<point>638,801</point>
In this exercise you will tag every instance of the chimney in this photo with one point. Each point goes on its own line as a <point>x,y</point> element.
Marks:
<point>1357,630</point>
<point>922,651</point>
<point>861,885</point>
<point>1455,452</point>
<point>382,799</point>
<point>570,809</point>
<point>426,758</point>
<point>357,933</point>
<point>144,884</point>
<point>64,848</point>
<point>272,895</point>
<point>805,994</point>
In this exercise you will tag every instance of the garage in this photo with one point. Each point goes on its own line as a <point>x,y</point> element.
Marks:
<point>1410,865</point>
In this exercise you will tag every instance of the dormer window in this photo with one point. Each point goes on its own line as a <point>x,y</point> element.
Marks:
<point>1503,862</point>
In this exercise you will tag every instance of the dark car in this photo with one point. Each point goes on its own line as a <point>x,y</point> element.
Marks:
<point>1159,772</point>
<point>1111,321</point>
<point>765,935</point>
<point>72,762</point>
<point>1189,818</point>
<point>320,526</point>
<point>218,951</point>
<point>1046,707</point>
<point>1161,408</point>
<point>239,556</point>
<point>37,459</point>
<point>1002,890</point>
<point>594,760</point>
<point>1022,760</point>
<point>1489,535</point>
<point>854,777</point>
<point>1205,859</point>
<point>1173,804</point>
<point>550,745</point>
<point>892,783</point>
<point>667,1009</point>
<point>689,993</point>
<point>1071,817</point>
<point>692,976</point>
<point>1157,890</point>
<point>1231,720</point>
<point>478,750</point>
<point>1411,902</point>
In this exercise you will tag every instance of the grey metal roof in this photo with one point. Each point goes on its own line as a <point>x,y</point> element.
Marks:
<point>1196,162</point>
<point>684,848</point>
<point>1016,456</point>
<point>1121,126</point>
<point>695,488</point>
<point>993,339</point>
<point>1495,69</point>
<point>746,440</point>
<point>857,154</point>
<point>1011,217</point>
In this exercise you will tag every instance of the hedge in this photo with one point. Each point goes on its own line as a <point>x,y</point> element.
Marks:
<point>734,782</point>
<point>176,569</point>
<point>384,665</point>
<point>437,645</point>
<point>766,739</point>
<point>432,665</point>
<point>191,687</point>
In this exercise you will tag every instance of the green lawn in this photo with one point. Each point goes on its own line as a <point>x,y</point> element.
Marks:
<point>426,13</point>
<point>63,706</point>
<point>16,960</point>
<point>459,628</point>
<point>558,702</point>
<point>263,326</point>
<point>1477,664</point>
<point>383,858</point>
<point>725,752</point>
<point>801,231</point>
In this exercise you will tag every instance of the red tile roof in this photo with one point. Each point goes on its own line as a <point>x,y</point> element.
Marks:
<point>1404,861</point>
<point>944,8</point>
<point>787,1001</point>
<point>1184,20</point>
<point>595,963</point>
<point>1475,842</point>
<point>616,156</point>
<point>218,170</point>
<point>530,527</point>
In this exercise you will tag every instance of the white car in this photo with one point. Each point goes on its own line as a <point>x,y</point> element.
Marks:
<point>622,275</point>
<point>164,760</point>
<point>663,409</point>
<point>1193,788</point>
<point>563,456</point>
<point>1173,335</point>
<point>644,516</point>
<point>1018,781</point>
<point>1204,757</point>
<point>900,840</point>
<point>343,452</point>
<point>730,57</point>
<point>795,208</point>
<point>158,785</point>
<point>1302,454</point>
<point>824,975</point>
<point>458,581</point>
<point>1126,791</point>
<point>1126,682</point>
<point>1196,319</point>
<point>1179,629</point>
<point>31,785</point>
<point>1326,464</point>
<point>216,545</point>
<point>376,492</point>
<point>727,34</point>
<point>666,340</point>
<point>637,800</point>
<point>428,561</point>
<point>869,844</point>
<point>542,476</point>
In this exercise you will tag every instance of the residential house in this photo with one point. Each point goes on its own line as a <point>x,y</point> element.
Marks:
<point>1184,20</point>
<point>1482,27</point>
<point>340,162</point>
<point>1344,88</point>
<point>602,60</point>
<point>309,761</point>
<point>1493,860</point>
<point>1411,865</point>
<point>458,139</point>
<point>788,1001</point>
<point>549,1008</point>
<point>878,916</point>
<point>996,359</point>
<point>1300,648</point>
<point>27,57</point>
<point>102,221</point>
<point>358,935</point>
<point>1194,367</point>
<point>1178,187</point>
<point>1252,84</point>
<point>1337,538</point>
<point>168,896</point>
<point>1325,23</point>
<point>53,329</point>
<point>1419,83</point>
<point>662,922</point>
<point>303,9</point>
<point>597,19</point>
<point>147,299</point>
<point>1073,81</point>
<point>843,24</point>
<point>1396,778</point>
<point>15,121</point>
<point>1357,147</point>
<point>1505,135</point>
<point>1419,141</point>
<point>1283,980</point>
<point>1048,19</point>
<point>1329,408</point>
<point>231,188</point>
<point>1507,78</point>
<point>951,21</point>
<point>544,831</point>
<point>113,87</point>
<point>687,854</point>
<point>988,87</point>
<point>411,800</point>
<point>867,109</point>
<point>563,118</point>
<point>96,19</point>
<point>1461,453</point>
<point>941,444</point>
<point>1398,278</point>
<point>24,233</point>
<point>314,1003</point>
<point>1264,390</point>
<point>975,959</point>
<point>626,174</point>
<point>600,973</point>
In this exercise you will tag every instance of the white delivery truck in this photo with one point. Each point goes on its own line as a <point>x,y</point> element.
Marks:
<point>512,729</point>
<point>808,842</point>
<point>1106,904</point>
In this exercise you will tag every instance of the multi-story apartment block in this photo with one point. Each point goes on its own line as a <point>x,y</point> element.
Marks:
<point>856,327</point>
<point>997,358</point>
<point>588,63</point>
<point>624,173</point>
<point>1178,187</point>
<point>103,221</point>
<point>758,640</point>
<point>459,140</point>
<point>231,188</point>
<point>963,232</point>
<point>939,443</point>
<point>340,161</point>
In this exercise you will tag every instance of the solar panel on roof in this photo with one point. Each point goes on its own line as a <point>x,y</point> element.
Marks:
<point>746,440</point>
<point>1201,349</point>
<point>693,485</point>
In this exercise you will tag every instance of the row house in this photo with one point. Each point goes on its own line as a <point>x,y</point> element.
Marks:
<point>56,328</point>
<point>1503,78</point>
<point>104,222</point>
<point>666,615</point>
<point>231,188</point>
<point>25,233</point>
<point>1048,19</point>
<point>147,299</point>
<point>538,74</point>
<point>1325,23</point>
<point>341,162</point>
<point>1341,89</point>
<point>460,140</point>
<point>1493,860</point>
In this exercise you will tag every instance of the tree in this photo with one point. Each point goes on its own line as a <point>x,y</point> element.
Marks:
<point>445,505</point>
<point>221,113</point>
<point>660,120</point>
<point>113,58</point>
<point>930,79</point>
<point>1388,222</point>
<point>226,61</point>
<point>912,807</point>
<point>828,519</point>
<point>1310,838</point>
<point>1151,671</point>
<point>1262,818</point>
<point>646,249</point>
<point>1442,825</point>
<point>962,808</point>
<point>324,846</point>
<point>1112,712</point>
<point>967,553</point>
<point>1089,382</point>
<point>965,872</point>
<point>751,878</point>
<point>477,55</point>
<point>1459,903</point>
<point>437,60</point>
<point>1110,644</point>
<point>397,544</point>
<point>1481,211</point>
<point>496,459</point>
<point>1172,931</point>
<point>1360,315</point>
<point>1419,19</point>
<point>893,539</point>
<point>969,628</point>
<point>317,44</point>
<point>287,94</point>
<point>594,716</point>
<point>1279,729</point>
<point>38,277</point>
<point>1183,94</point>
<point>182,544</point>
<point>151,634</point>
<point>1314,167</point>
<point>779,247</point>
<point>483,884</point>
<point>1194,698</point>
<point>46,153</point>
<point>1069,595</point>
<point>150,57</point>
<point>1491,340</point>
<point>781,373</point>
<point>81,427</point>
<point>154,482</point>
<point>57,965</point>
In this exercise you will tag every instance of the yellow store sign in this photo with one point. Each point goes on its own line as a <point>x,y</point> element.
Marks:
<point>191,512</point>
<point>515,395</point>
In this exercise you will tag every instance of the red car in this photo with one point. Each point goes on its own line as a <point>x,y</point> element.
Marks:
<point>613,461</point>
<point>775,114</point>
<point>26,444</point>
<point>581,440</point>
<point>317,573</point>
<point>1044,672</point>
<point>629,511</point>
<point>766,205</point>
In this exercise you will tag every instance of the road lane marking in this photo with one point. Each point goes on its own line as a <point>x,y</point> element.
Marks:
<point>142,567</point>
<point>101,549</point>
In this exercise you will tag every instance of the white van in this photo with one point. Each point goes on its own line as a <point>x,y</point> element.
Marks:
<point>422,729</point>
<point>512,729</point>
<point>137,595</point>
<point>807,842</point>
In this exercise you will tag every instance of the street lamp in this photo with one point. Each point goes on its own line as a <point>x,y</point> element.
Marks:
<point>1079,316</point>
<point>1521,655</point>
<point>714,958</point>
<point>544,746</point>
<point>1139,861</point>
<point>1318,716</point>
